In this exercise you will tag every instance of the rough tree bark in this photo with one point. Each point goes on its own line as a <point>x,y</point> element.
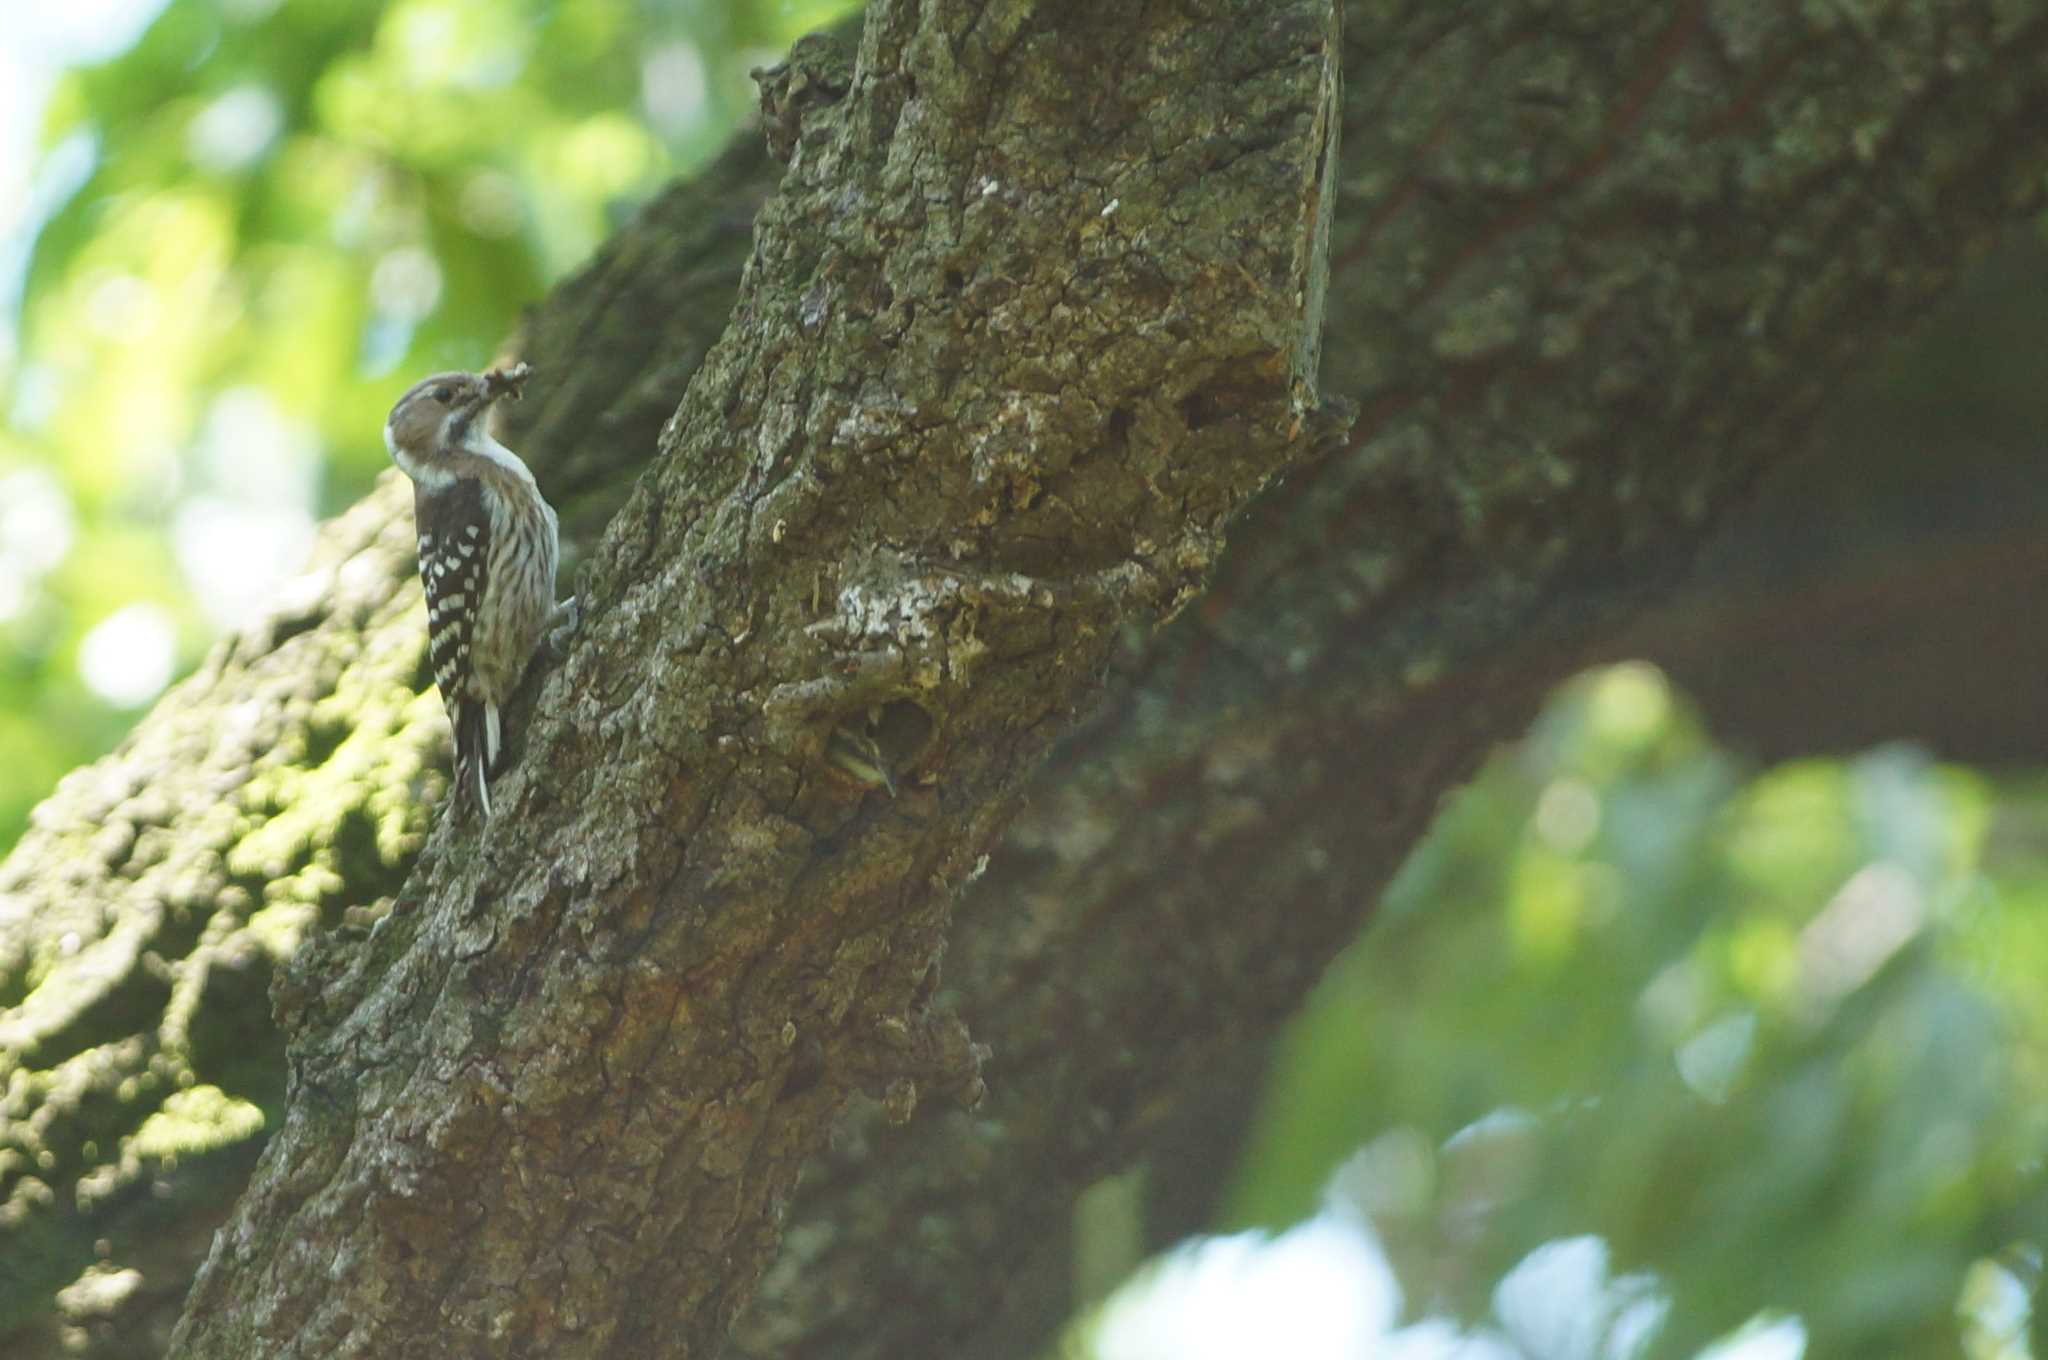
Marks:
<point>1036,308</point>
<point>1595,270</point>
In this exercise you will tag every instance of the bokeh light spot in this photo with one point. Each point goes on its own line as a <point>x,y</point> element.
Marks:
<point>127,658</point>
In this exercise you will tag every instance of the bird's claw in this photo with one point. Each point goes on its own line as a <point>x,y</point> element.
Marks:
<point>562,626</point>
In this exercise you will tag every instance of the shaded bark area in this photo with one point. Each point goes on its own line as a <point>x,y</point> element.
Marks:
<point>1879,589</point>
<point>1594,273</point>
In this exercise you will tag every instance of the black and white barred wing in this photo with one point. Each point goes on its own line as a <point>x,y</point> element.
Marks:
<point>455,550</point>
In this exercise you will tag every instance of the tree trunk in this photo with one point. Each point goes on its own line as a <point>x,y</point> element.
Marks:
<point>1019,330</point>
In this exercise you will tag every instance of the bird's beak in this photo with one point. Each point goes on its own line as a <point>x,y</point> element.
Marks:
<point>497,383</point>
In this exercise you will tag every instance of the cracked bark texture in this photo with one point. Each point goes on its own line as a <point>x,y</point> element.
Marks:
<point>1595,268</point>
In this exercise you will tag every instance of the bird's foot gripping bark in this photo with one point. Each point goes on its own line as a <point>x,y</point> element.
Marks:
<point>561,627</point>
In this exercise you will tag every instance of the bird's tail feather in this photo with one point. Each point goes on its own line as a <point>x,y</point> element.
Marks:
<point>476,749</point>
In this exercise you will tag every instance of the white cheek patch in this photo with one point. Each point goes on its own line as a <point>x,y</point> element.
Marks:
<point>423,471</point>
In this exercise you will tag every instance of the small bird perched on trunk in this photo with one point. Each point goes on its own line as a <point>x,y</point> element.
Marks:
<point>488,546</point>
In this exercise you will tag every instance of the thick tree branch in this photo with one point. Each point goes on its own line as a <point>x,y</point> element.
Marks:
<point>1592,282</point>
<point>1596,272</point>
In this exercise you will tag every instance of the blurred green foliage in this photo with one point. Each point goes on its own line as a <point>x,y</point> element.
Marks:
<point>1778,1040</point>
<point>264,220</point>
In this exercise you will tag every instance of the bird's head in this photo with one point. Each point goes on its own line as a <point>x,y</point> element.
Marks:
<point>437,418</point>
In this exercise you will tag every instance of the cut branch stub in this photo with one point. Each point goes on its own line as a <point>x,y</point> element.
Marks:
<point>1033,313</point>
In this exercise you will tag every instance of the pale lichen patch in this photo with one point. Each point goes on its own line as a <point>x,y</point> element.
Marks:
<point>195,1119</point>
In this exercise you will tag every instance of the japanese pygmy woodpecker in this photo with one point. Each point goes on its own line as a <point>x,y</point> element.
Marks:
<point>488,550</point>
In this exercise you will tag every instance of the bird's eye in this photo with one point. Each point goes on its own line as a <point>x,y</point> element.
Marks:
<point>443,394</point>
